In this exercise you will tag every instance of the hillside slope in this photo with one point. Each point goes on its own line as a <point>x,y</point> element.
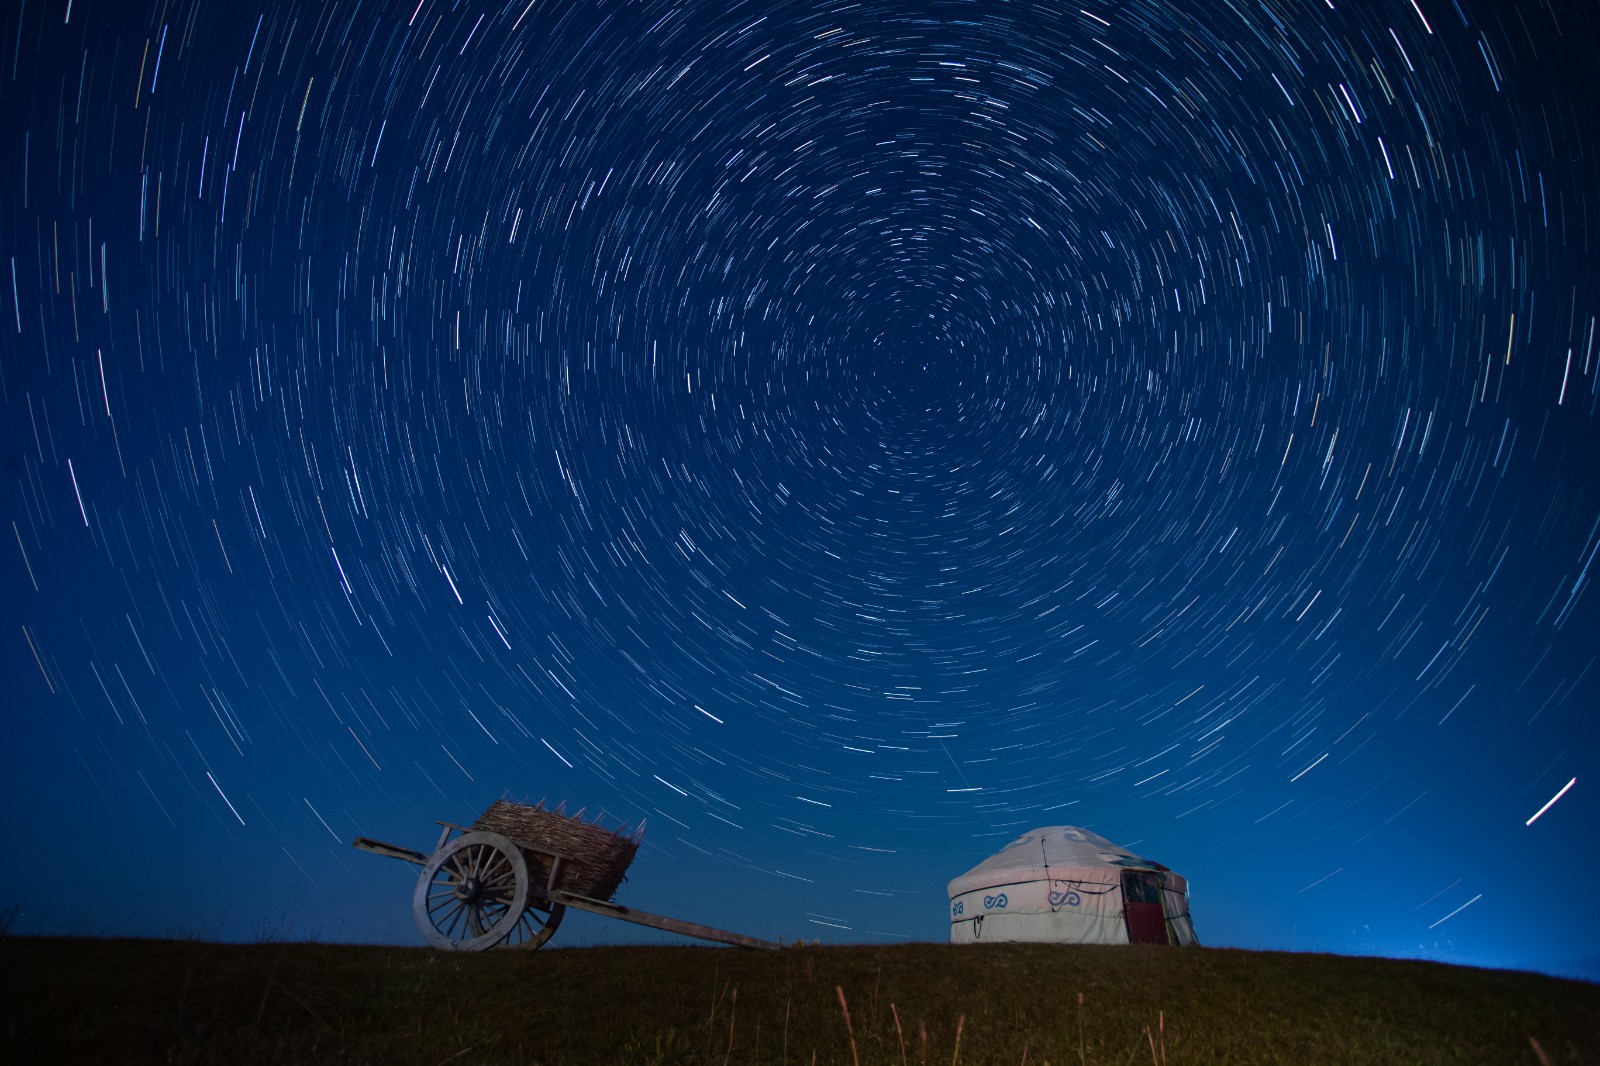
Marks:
<point>175,1001</point>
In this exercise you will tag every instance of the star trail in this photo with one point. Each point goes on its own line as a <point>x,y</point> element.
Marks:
<point>841,435</point>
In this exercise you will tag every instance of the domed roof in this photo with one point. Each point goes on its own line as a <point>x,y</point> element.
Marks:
<point>1056,852</point>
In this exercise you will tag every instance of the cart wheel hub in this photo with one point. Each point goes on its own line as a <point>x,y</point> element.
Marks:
<point>471,889</point>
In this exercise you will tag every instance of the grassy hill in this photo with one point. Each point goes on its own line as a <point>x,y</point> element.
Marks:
<point>83,1000</point>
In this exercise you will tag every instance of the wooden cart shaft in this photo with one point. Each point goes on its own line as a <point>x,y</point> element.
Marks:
<point>390,851</point>
<point>659,921</point>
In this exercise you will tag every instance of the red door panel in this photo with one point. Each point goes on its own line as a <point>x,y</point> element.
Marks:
<point>1141,901</point>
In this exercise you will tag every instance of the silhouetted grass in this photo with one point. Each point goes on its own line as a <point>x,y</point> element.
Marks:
<point>80,1000</point>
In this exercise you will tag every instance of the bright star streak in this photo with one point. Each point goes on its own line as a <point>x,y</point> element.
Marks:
<point>1552,802</point>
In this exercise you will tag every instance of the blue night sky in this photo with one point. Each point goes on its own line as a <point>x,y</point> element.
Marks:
<point>844,435</point>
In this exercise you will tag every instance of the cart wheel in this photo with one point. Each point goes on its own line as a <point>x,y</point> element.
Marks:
<point>472,894</point>
<point>537,925</point>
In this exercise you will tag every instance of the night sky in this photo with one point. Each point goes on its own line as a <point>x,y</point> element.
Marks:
<point>844,435</point>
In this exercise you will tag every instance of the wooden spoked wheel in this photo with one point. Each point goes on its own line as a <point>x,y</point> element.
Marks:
<point>537,925</point>
<point>472,894</point>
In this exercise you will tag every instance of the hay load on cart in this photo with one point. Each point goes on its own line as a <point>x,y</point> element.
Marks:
<point>507,880</point>
<point>596,857</point>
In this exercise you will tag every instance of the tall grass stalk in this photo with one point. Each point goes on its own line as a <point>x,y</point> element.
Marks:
<point>848,1028</point>
<point>262,1010</point>
<point>1081,1060</point>
<point>899,1033</point>
<point>716,1000</point>
<point>1151,1034</point>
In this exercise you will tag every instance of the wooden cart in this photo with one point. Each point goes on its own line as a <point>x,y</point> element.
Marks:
<point>481,889</point>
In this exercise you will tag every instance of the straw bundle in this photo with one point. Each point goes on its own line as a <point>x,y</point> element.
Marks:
<point>597,856</point>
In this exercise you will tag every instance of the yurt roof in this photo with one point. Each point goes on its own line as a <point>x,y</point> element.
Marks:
<point>1053,852</point>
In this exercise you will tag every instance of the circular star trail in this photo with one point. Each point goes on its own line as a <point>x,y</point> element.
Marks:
<point>845,435</point>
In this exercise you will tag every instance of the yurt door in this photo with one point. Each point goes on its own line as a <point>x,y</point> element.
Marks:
<point>1141,902</point>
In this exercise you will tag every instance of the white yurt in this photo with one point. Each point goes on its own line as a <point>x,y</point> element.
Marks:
<point>1065,885</point>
